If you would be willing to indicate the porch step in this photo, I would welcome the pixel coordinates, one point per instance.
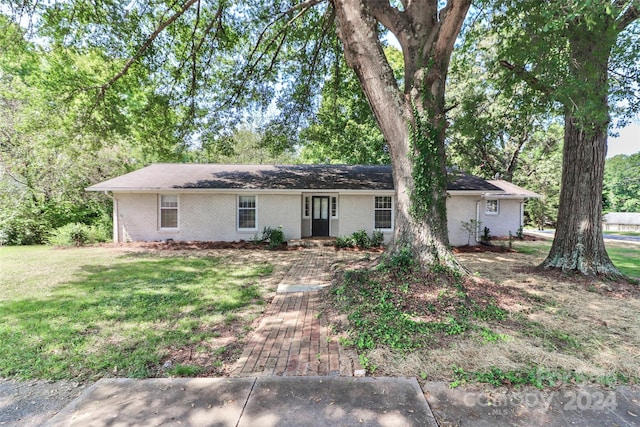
(310, 242)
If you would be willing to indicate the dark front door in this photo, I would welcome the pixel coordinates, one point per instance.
(320, 216)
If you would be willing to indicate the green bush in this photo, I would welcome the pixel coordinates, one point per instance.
(361, 239)
(77, 234)
(23, 231)
(275, 237)
(344, 242)
(377, 238)
(486, 234)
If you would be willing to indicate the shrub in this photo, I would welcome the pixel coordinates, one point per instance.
(470, 227)
(23, 230)
(377, 238)
(344, 242)
(77, 234)
(275, 237)
(361, 239)
(486, 234)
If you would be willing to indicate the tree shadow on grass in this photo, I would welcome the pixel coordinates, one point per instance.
(119, 319)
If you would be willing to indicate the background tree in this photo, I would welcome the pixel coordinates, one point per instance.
(344, 130)
(244, 146)
(55, 140)
(622, 183)
(582, 55)
(492, 123)
(502, 128)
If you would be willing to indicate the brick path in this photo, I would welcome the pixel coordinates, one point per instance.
(290, 339)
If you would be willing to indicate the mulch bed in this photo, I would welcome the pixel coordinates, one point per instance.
(202, 245)
(481, 248)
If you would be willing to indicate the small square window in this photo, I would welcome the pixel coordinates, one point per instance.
(492, 207)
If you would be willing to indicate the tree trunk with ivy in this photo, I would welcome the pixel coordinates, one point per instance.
(413, 119)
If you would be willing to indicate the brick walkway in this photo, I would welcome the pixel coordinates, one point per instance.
(290, 339)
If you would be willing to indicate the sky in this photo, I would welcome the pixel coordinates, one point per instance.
(628, 142)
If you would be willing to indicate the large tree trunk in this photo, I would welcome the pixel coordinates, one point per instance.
(412, 122)
(578, 245)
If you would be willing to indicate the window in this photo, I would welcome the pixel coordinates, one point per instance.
(492, 207)
(334, 207)
(168, 211)
(247, 212)
(307, 207)
(383, 213)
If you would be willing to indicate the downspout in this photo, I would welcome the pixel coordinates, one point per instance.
(477, 237)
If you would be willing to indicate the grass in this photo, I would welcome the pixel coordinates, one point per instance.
(86, 313)
(623, 233)
(511, 325)
(625, 256)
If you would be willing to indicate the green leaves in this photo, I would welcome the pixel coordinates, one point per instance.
(622, 184)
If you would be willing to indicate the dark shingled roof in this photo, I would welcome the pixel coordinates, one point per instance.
(162, 176)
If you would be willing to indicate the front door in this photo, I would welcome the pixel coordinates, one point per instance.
(320, 216)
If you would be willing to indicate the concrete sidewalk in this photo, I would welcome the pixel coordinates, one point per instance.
(264, 402)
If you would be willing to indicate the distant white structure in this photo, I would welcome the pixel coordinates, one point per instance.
(621, 221)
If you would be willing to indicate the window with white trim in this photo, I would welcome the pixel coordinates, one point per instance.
(383, 213)
(246, 212)
(168, 211)
(334, 207)
(492, 207)
(306, 213)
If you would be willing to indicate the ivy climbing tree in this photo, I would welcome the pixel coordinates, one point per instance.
(412, 120)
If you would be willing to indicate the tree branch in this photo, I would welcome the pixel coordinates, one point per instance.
(529, 78)
(631, 14)
(145, 46)
(451, 20)
(390, 17)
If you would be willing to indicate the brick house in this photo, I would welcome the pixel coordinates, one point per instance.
(214, 202)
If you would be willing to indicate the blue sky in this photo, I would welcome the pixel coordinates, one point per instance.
(628, 142)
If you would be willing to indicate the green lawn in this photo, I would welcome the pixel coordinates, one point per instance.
(84, 313)
(625, 256)
(623, 233)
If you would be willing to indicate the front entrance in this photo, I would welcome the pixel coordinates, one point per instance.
(320, 216)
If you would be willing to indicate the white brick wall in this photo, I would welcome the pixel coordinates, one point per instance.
(277, 209)
(206, 217)
(137, 216)
(460, 209)
(508, 218)
(212, 217)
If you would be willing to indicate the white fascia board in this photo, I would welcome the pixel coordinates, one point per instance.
(238, 191)
(504, 196)
(466, 193)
